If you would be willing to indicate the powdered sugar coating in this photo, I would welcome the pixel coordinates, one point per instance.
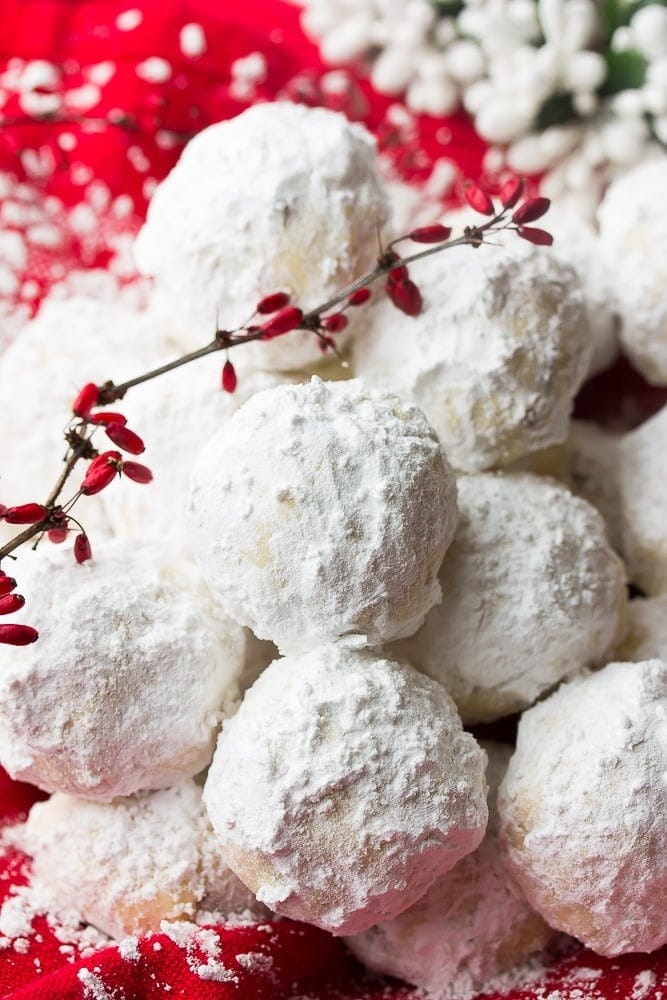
(532, 594)
(306, 222)
(494, 359)
(633, 227)
(584, 808)
(126, 865)
(71, 342)
(343, 787)
(471, 925)
(176, 415)
(134, 668)
(626, 479)
(321, 510)
(646, 638)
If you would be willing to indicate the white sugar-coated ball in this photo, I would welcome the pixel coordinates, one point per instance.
(344, 787)
(280, 197)
(633, 229)
(321, 510)
(71, 342)
(125, 866)
(176, 415)
(133, 670)
(626, 479)
(494, 359)
(584, 808)
(472, 924)
(532, 593)
(646, 637)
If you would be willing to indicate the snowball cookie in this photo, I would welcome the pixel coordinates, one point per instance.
(626, 478)
(584, 808)
(280, 197)
(321, 510)
(532, 593)
(344, 787)
(133, 670)
(176, 414)
(633, 228)
(71, 342)
(495, 358)
(646, 638)
(471, 925)
(126, 865)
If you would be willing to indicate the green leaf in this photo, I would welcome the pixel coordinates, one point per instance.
(625, 71)
(448, 8)
(557, 110)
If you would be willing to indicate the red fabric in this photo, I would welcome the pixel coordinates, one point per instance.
(78, 36)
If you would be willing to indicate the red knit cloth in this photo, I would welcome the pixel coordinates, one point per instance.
(48, 171)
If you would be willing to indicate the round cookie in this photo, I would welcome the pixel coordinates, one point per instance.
(312, 203)
(472, 924)
(583, 808)
(343, 787)
(494, 359)
(134, 668)
(322, 510)
(532, 593)
(126, 865)
(633, 229)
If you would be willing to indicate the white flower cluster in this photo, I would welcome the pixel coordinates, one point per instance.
(532, 73)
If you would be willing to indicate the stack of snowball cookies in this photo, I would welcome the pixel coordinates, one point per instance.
(257, 696)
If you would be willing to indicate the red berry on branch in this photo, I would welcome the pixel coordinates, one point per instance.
(106, 417)
(106, 458)
(406, 296)
(272, 303)
(27, 513)
(87, 398)
(11, 603)
(335, 323)
(399, 273)
(137, 473)
(531, 210)
(431, 234)
(57, 535)
(98, 477)
(359, 297)
(82, 549)
(511, 191)
(540, 237)
(18, 635)
(478, 199)
(125, 439)
(7, 584)
(283, 322)
(229, 379)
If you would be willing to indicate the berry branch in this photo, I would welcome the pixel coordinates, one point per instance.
(274, 316)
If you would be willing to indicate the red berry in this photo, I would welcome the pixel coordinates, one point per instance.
(335, 323)
(431, 234)
(229, 379)
(137, 473)
(511, 191)
(531, 210)
(359, 297)
(107, 417)
(57, 535)
(540, 237)
(98, 478)
(478, 199)
(11, 603)
(7, 584)
(82, 549)
(27, 513)
(18, 635)
(105, 458)
(284, 321)
(87, 398)
(406, 296)
(125, 439)
(272, 303)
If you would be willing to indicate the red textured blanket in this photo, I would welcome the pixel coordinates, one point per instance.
(72, 186)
